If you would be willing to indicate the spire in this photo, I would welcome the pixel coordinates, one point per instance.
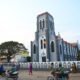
(59, 36)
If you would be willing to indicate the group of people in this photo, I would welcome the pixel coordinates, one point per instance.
(61, 71)
(14, 68)
(3, 71)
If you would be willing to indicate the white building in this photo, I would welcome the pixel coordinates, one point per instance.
(49, 47)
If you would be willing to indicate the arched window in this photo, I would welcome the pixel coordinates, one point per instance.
(51, 26)
(34, 49)
(41, 44)
(52, 46)
(60, 50)
(40, 24)
(44, 43)
(43, 23)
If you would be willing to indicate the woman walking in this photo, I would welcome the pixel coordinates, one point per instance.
(30, 69)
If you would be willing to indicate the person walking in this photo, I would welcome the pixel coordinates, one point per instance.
(2, 70)
(30, 69)
(53, 70)
(73, 68)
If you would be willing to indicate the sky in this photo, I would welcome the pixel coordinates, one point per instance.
(18, 19)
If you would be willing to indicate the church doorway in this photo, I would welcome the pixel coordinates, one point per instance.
(44, 59)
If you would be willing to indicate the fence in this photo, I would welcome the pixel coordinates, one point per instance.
(44, 65)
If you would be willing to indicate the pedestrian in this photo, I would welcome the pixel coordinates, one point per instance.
(18, 67)
(74, 68)
(2, 70)
(53, 70)
(30, 69)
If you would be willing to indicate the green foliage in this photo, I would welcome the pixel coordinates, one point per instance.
(28, 59)
(11, 47)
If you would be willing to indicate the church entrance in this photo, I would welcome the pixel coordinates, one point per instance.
(44, 59)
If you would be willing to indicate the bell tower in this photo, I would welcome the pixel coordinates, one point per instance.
(46, 34)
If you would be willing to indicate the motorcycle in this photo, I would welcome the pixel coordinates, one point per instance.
(12, 75)
(2, 73)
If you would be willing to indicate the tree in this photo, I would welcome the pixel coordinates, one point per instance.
(10, 48)
(28, 59)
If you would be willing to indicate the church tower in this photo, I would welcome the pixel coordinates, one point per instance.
(45, 39)
(49, 47)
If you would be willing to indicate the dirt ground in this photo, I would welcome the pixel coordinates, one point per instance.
(37, 75)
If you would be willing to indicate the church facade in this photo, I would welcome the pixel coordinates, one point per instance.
(48, 46)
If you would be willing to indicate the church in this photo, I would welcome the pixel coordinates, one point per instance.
(48, 46)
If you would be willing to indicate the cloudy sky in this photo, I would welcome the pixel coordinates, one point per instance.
(18, 19)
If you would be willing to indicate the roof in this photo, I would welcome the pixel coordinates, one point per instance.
(44, 14)
(72, 44)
